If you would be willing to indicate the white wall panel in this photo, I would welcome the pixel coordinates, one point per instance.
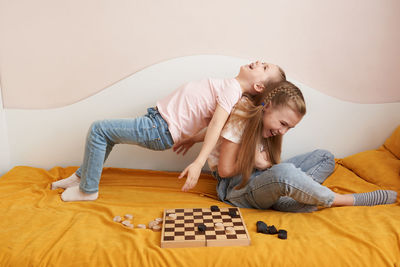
(4, 144)
(56, 137)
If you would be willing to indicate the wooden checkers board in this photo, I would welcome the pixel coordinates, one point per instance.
(183, 231)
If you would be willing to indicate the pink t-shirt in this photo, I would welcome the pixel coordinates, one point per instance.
(190, 108)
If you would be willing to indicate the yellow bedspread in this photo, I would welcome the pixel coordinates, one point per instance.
(38, 229)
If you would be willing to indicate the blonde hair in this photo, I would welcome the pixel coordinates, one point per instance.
(282, 78)
(282, 73)
(282, 94)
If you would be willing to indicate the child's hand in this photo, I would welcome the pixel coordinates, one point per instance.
(193, 173)
(183, 145)
(261, 160)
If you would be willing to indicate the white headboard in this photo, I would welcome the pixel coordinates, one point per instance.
(56, 137)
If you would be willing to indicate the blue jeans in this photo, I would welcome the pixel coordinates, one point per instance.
(293, 185)
(149, 131)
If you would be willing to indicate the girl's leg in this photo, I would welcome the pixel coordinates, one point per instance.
(288, 204)
(149, 131)
(75, 178)
(284, 179)
(378, 197)
(72, 180)
(343, 200)
(318, 164)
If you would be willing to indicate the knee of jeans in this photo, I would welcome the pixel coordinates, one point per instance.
(278, 175)
(95, 127)
(324, 154)
(282, 169)
(328, 156)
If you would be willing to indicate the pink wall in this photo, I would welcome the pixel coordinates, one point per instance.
(54, 53)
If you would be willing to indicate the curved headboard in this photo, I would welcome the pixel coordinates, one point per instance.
(56, 137)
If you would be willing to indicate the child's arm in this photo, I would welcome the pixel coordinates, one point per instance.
(261, 160)
(210, 140)
(185, 144)
(227, 164)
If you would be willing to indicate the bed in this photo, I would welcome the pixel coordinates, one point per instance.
(38, 229)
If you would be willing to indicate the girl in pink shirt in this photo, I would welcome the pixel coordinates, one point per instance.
(185, 112)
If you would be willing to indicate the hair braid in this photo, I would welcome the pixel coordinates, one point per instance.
(291, 92)
(283, 94)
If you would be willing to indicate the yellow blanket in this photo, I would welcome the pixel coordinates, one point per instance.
(38, 229)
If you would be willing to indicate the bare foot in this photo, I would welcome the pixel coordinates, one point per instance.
(75, 194)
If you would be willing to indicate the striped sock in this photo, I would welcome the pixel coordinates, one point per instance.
(378, 197)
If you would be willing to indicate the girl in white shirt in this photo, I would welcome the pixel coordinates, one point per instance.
(246, 160)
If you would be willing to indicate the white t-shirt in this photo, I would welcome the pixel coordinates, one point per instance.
(190, 108)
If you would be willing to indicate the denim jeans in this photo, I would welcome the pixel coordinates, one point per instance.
(293, 185)
(149, 131)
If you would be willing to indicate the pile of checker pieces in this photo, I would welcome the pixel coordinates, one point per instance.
(262, 227)
(197, 228)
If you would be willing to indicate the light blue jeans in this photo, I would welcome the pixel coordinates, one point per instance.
(149, 131)
(294, 185)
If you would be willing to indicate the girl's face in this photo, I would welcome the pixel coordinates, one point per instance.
(278, 120)
(260, 73)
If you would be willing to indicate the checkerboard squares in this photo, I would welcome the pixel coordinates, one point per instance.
(183, 231)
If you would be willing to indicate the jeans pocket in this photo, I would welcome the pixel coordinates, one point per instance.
(154, 144)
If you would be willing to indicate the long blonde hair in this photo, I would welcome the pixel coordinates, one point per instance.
(282, 94)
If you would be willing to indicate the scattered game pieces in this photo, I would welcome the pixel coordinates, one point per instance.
(127, 223)
(282, 234)
(214, 208)
(117, 219)
(152, 223)
(184, 230)
(262, 227)
(128, 216)
(230, 230)
(141, 226)
(156, 228)
(219, 226)
(270, 230)
(232, 213)
(155, 225)
(171, 216)
(202, 227)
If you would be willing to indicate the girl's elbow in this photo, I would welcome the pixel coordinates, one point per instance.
(225, 171)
